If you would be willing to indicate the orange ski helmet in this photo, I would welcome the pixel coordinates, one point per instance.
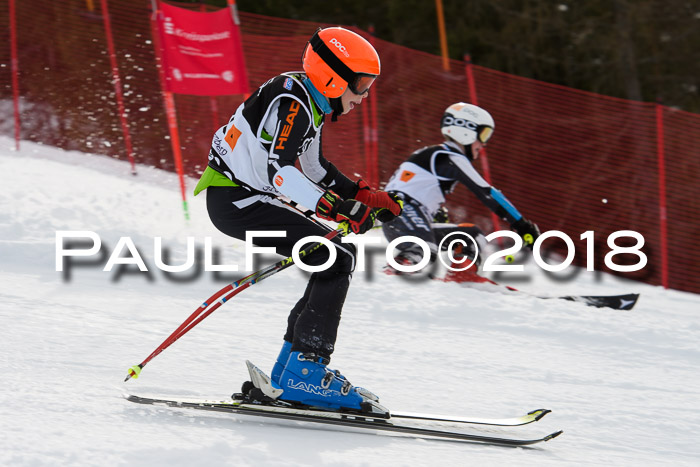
(336, 58)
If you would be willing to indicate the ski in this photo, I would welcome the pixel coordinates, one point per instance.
(248, 397)
(346, 419)
(530, 417)
(616, 302)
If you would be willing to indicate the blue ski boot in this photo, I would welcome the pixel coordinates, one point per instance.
(281, 362)
(306, 380)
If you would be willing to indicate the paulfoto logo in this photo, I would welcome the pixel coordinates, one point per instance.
(491, 263)
(86, 248)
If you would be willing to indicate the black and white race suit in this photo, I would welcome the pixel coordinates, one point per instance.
(423, 180)
(250, 177)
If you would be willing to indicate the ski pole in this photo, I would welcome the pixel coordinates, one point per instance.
(228, 292)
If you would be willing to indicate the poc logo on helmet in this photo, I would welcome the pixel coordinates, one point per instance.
(340, 47)
(449, 120)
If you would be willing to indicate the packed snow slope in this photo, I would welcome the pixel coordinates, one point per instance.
(623, 385)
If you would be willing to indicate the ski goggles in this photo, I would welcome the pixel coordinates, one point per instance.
(483, 132)
(361, 83)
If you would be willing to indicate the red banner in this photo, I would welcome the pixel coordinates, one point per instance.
(202, 52)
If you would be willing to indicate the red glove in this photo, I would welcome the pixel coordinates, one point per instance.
(377, 199)
(332, 207)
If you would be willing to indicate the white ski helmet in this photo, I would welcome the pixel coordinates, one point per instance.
(465, 123)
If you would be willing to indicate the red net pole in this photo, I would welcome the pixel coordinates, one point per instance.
(366, 132)
(212, 100)
(117, 85)
(660, 153)
(169, 102)
(373, 163)
(373, 166)
(214, 113)
(484, 158)
(237, 21)
(15, 70)
(175, 142)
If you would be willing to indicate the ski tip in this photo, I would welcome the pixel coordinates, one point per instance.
(539, 413)
(627, 302)
(616, 302)
(553, 435)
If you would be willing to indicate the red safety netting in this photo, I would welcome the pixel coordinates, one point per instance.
(570, 160)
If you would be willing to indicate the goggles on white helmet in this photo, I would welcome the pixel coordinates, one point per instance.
(467, 123)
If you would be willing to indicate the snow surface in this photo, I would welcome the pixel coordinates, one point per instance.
(622, 385)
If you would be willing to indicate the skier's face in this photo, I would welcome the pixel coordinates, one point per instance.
(477, 147)
(350, 99)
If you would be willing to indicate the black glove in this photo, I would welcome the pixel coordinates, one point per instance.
(333, 207)
(441, 216)
(527, 230)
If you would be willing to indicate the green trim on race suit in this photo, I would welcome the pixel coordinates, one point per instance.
(317, 115)
(253, 162)
(210, 177)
